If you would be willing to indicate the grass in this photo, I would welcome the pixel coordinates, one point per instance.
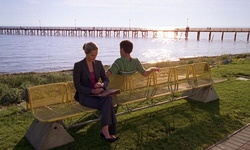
(178, 125)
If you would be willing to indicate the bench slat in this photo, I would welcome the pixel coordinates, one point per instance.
(55, 112)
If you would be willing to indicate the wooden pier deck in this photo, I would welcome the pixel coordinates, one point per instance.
(239, 140)
(117, 31)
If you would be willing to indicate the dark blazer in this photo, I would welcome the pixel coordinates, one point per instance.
(82, 80)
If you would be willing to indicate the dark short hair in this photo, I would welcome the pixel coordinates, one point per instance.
(127, 46)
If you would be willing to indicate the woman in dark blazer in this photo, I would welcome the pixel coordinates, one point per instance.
(86, 76)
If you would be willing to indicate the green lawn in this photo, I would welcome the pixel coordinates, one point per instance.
(178, 125)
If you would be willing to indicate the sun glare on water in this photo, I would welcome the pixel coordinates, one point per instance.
(163, 51)
(164, 32)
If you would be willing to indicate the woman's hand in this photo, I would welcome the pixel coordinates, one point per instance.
(99, 85)
(97, 90)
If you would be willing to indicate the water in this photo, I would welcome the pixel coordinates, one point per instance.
(20, 53)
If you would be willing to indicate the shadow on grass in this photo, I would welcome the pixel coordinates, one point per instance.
(188, 125)
(23, 144)
(192, 125)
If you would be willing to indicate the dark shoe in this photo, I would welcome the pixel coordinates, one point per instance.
(115, 108)
(115, 105)
(110, 140)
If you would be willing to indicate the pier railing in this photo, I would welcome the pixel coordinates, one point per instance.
(124, 32)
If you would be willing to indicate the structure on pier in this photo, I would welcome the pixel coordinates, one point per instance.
(115, 31)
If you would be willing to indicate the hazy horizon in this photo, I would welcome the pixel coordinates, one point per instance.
(129, 13)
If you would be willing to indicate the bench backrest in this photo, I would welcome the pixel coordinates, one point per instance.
(131, 82)
(70, 91)
(202, 70)
(166, 75)
(47, 94)
(191, 71)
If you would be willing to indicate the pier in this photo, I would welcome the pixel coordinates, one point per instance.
(125, 32)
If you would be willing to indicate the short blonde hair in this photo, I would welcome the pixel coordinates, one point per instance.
(88, 47)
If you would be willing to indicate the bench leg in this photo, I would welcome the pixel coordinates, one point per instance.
(47, 135)
(202, 94)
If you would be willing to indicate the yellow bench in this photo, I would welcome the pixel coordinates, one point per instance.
(53, 104)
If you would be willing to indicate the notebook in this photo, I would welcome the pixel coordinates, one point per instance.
(108, 92)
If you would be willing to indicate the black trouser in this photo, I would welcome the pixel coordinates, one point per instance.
(105, 105)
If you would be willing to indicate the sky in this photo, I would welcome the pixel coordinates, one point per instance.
(125, 13)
